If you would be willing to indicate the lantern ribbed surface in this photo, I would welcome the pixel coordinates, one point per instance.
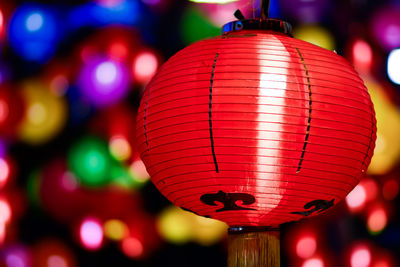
(256, 128)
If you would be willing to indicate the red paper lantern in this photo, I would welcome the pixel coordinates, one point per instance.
(256, 128)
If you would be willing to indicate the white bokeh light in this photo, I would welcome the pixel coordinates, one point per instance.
(106, 73)
(393, 66)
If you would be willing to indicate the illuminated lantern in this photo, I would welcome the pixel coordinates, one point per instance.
(256, 128)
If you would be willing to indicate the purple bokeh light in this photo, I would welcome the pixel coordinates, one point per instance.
(103, 81)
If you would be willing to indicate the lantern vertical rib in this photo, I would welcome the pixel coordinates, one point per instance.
(309, 111)
(210, 114)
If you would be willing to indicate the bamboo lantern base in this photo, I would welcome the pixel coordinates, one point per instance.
(253, 247)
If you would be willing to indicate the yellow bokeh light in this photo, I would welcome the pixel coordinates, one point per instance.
(45, 114)
(316, 35)
(178, 226)
(388, 124)
(174, 225)
(115, 230)
(120, 148)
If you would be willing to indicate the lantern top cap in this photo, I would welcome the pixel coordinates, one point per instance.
(268, 24)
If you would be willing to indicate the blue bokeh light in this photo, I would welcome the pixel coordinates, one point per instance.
(34, 32)
(34, 22)
(94, 15)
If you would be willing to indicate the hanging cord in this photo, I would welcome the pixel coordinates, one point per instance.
(264, 12)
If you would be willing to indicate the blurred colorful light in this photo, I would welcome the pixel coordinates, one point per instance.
(91, 234)
(362, 55)
(90, 161)
(34, 22)
(370, 187)
(118, 51)
(316, 35)
(356, 199)
(145, 66)
(33, 32)
(4, 172)
(386, 26)
(120, 148)
(56, 261)
(387, 149)
(17, 256)
(377, 220)
(138, 171)
(306, 247)
(59, 85)
(45, 116)
(115, 229)
(132, 247)
(360, 257)
(314, 262)
(5, 211)
(104, 82)
(174, 226)
(390, 189)
(393, 66)
(1, 22)
(213, 1)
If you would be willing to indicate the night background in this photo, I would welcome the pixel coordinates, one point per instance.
(73, 190)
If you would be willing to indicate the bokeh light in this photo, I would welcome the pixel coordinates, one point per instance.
(91, 234)
(90, 160)
(5, 211)
(196, 26)
(1, 22)
(306, 247)
(132, 247)
(377, 220)
(390, 189)
(314, 262)
(360, 257)
(386, 26)
(115, 229)
(316, 35)
(393, 66)
(33, 32)
(357, 197)
(387, 149)
(46, 114)
(104, 81)
(4, 172)
(362, 55)
(145, 66)
(138, 171)
(120, 148)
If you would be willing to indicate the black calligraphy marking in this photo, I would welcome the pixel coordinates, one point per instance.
(228, 200)
(210, 114)
(309, 111)
(319, 206)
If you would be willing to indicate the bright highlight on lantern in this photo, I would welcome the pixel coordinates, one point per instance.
(132, 247)
(377, 221)
(34, 22)
(393, 66)
(306, 247)
(145, 66)
(360, 257)
(91, 234)
(106, 73)
(313, 263)
(356, 199)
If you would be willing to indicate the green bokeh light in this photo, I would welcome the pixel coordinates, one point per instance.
(196, 26)
(90, 160)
